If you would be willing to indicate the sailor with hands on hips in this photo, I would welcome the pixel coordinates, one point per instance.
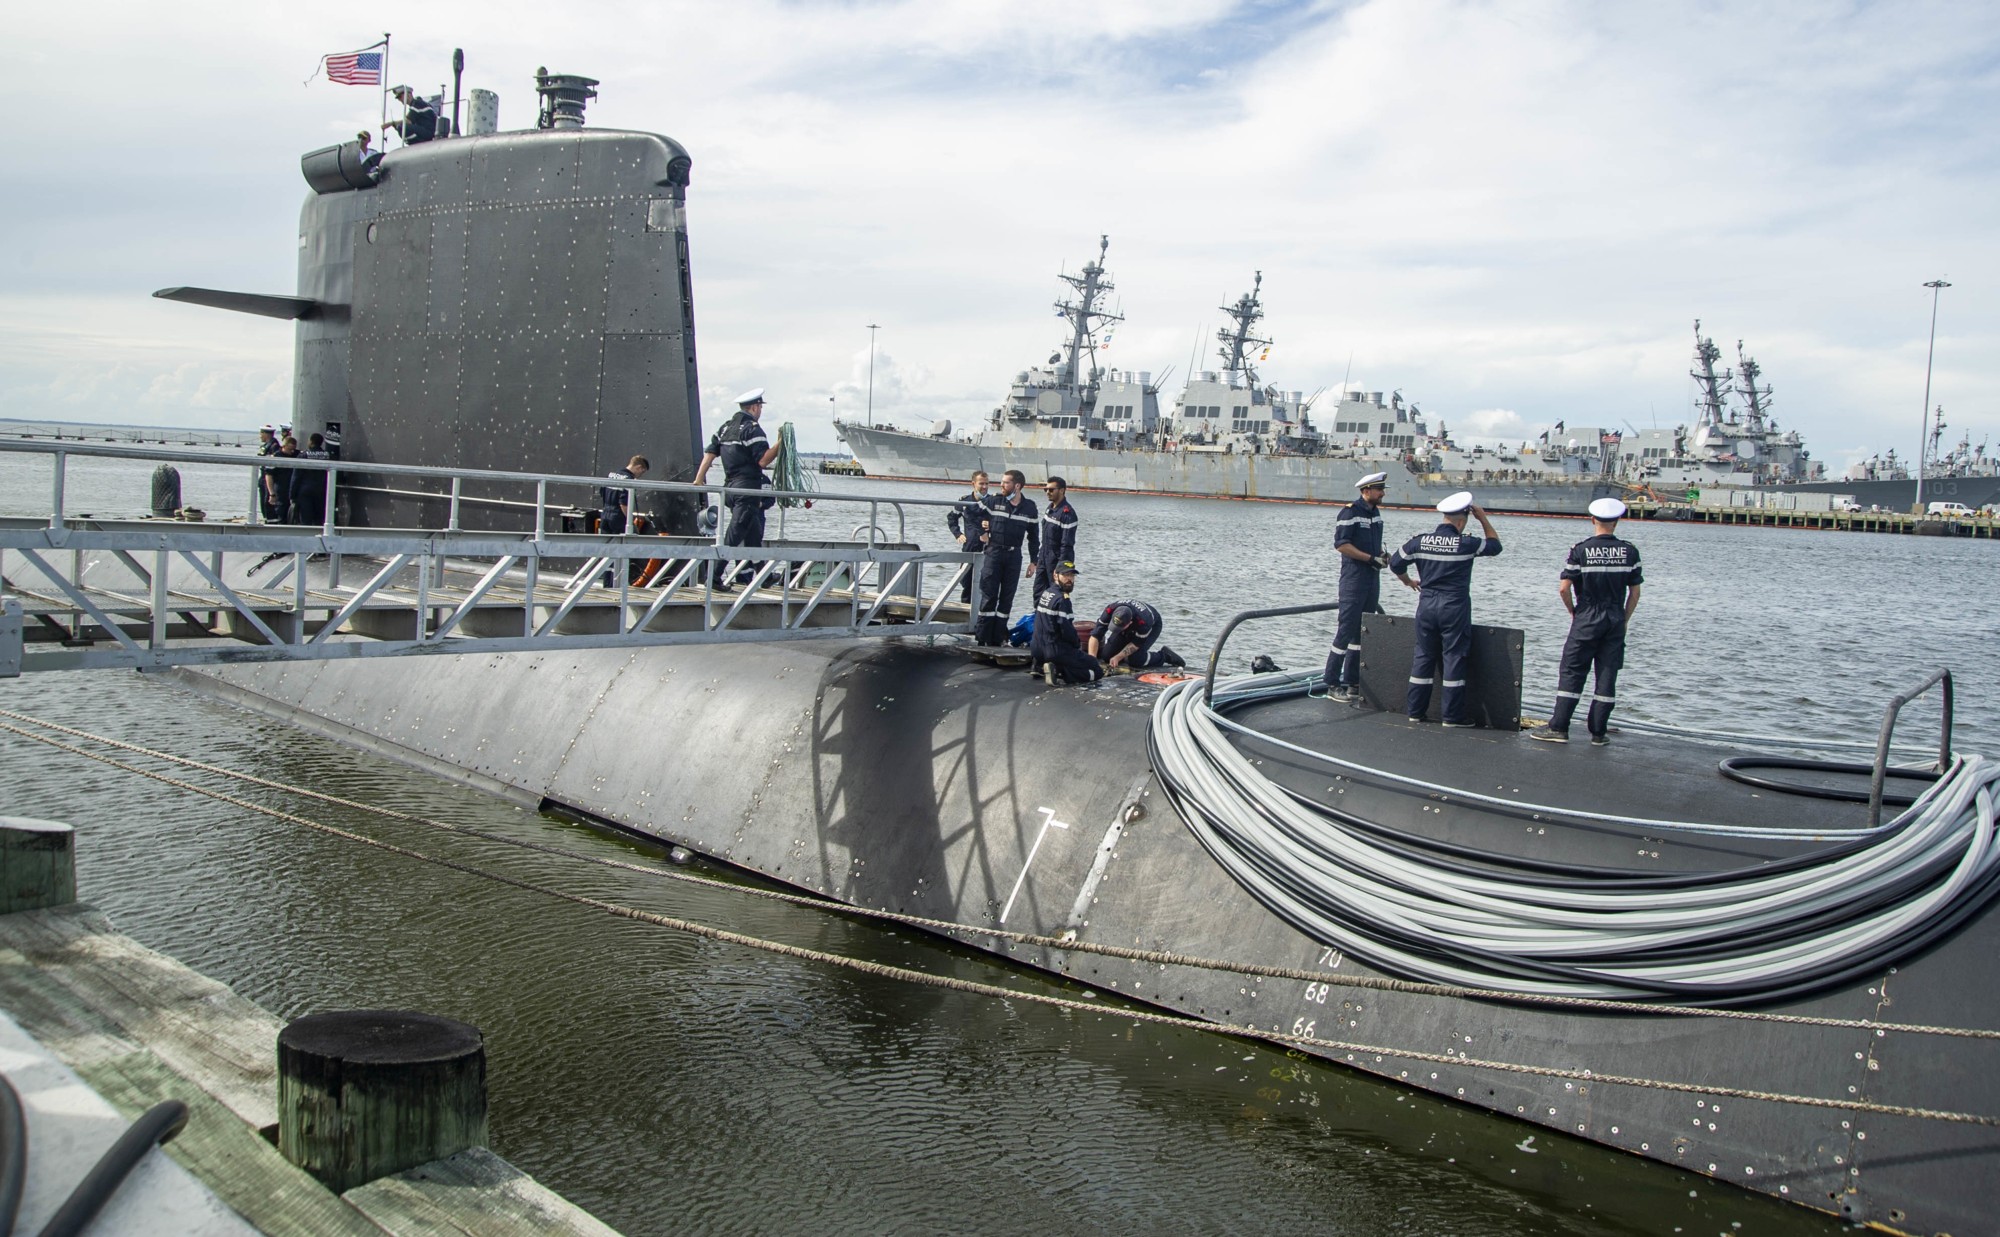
(1357, 538)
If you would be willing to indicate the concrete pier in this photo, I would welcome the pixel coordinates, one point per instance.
(1987, 527)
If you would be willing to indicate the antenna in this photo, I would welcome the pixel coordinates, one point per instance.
(1194, 353)
(1349, 373)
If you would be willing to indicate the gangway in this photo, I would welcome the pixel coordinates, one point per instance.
(80, 591)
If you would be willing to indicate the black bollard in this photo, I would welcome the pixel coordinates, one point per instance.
(166, 491)
(366, 1093)
(37, 864)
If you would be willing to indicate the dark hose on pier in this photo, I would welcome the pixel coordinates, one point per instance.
(13, 1156)
(156, 1125)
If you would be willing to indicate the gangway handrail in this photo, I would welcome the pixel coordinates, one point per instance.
(1889, 713)
(1215, 654)
(61, 450)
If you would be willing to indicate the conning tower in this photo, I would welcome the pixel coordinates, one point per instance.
(511, 301)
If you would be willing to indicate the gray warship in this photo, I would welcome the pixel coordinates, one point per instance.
(535, 286)
(1231, 434)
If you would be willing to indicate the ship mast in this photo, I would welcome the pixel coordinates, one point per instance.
(1756, 397)
(1237, 341)
(1083, 315)
(1709, 400)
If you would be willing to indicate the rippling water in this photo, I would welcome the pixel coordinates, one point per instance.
(673, 1084)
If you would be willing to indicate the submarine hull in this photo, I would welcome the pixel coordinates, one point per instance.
(895, 776)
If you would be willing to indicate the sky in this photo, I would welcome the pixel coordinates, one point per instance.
(1512, 212)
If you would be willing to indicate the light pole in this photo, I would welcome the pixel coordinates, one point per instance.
(873, 327)
(1937, 286)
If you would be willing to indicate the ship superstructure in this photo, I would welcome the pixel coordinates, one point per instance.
(1231, 433)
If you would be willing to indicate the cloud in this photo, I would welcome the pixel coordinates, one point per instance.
(1516, 205)
(1492, 426)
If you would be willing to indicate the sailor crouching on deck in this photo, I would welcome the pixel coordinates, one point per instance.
(1600, 589)
(1010, 520)
(1125, 635)
(1444, 604)
(1357, 538)
(1056, 645)
(745, 451)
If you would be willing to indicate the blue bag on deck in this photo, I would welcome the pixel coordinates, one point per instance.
(1023, 630)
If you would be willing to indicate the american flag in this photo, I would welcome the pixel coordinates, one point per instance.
(355, 68)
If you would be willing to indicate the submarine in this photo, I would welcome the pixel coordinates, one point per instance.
(1756, 969)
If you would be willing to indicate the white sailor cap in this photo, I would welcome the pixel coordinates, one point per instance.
(755, 395)
(1607, 509)
(1373, 478)
(269, 429)
(1456, 503)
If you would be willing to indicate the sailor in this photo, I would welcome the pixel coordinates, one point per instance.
(419, 122)
(616, 516)
(745, 451)
(267, 498)
(1444, 604)
(967, 522)
(278, 481)
(1600, 589)
(1357, 538)
(1010, 519)
(1056, 646)
(1125, 635)
(309, 484)
(1058, 532)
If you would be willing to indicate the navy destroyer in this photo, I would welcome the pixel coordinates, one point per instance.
(1787, 995)
(1232, 434)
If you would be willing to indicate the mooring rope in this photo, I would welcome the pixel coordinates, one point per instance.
(1163, 958)
(950, 983)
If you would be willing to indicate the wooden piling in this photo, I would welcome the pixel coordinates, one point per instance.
(37, 864)
(366, 1093)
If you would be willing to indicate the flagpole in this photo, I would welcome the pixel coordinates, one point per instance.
(385, 90)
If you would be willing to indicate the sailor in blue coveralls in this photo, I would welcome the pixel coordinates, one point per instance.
(967, 522)
(1010, 520)
(745, 451)
(1444, 604)
(1600, 589)
(1125, 635)
(1056, 646)
(1058, 533)
(1357, 538)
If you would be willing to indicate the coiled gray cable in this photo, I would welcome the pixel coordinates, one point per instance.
(1740, 937)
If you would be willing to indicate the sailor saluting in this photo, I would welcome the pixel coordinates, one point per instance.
(1444, 604)
(1600, 589)
(1357, 538)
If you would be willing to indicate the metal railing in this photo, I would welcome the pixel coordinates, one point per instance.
(1882, 741)
(153, 593)
(1215, 654)
(454, 479)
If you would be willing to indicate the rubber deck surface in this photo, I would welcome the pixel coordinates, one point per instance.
(1636, 775)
